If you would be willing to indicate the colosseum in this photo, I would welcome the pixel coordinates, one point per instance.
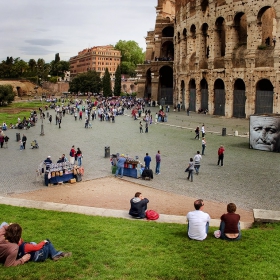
(226, 56)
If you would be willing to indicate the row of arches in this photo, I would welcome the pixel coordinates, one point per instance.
(263, 100)
(214, 43)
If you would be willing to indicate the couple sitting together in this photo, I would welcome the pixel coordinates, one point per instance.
(14, 251)
(198, 223)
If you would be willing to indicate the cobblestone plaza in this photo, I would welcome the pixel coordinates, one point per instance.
(249, 178)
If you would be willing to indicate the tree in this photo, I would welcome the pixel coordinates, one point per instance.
(106, 84)
(6, 94)
(86, 82)
(32, 64)
(132, 55)
(118, 81)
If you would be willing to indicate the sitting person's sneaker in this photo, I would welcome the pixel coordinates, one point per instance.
(62, 255)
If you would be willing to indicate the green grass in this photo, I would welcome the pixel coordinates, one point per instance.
(111, 248)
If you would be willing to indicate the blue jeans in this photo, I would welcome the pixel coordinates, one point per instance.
(118, 171)
(196, 167)
(79, 161)
(223, 236)
(48, 251)
(190, 175)
(203, 149)
(157, 167)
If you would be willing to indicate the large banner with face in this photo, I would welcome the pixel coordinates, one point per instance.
(265, 133)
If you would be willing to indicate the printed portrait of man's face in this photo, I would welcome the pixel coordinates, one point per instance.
(265, 133)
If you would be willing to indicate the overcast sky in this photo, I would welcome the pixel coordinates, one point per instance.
(40, 29)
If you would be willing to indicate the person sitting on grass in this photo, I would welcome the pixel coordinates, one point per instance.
(138, 206)
(41, 251)
(230, 224)
(9, 238)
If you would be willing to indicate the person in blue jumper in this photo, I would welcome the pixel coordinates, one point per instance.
(120, 165)
(147, 160)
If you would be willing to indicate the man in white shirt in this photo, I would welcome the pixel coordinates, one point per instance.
(198, 222)
(203, 130)
(197, 159)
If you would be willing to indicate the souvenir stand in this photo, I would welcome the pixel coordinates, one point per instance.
(63, 172)
(132, 167)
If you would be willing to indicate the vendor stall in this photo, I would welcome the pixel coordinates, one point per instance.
(63, 172)
(132, 167)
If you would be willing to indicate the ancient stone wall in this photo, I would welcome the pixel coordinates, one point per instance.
(226, 56)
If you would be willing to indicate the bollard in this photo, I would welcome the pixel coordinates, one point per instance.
(224, 131)
(107, 152)
(17, 137)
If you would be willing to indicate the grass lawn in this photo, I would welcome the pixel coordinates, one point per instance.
(111, 248)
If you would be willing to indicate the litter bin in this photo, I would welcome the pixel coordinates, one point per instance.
(107, 152)
(18, 137)
(224, 131)
(48, 114)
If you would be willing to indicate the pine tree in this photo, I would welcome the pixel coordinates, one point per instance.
(106, 82)
(118, 81)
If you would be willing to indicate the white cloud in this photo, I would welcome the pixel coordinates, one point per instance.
(40, 29)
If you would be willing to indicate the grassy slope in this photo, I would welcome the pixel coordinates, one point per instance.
(109, 248)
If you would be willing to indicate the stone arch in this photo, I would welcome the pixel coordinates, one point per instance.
(264, 97)
(220, 37)
(166, 84)
(266, 20)
(185, 34)
(193, 31)
(124, 87)
(204, 94)
(204, 47)
(167, 50)
(219, 97)
(192, 96)
(239, 99)
(132, 88)
(204, 6)
(148, 84)
(240, 26)
(168, 32)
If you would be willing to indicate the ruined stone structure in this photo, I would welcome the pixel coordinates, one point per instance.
(155, 76)
(227, 56)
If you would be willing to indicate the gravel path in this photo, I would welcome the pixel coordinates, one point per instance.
(250, 178)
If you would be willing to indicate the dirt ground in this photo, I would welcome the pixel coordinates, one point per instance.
(115, 193)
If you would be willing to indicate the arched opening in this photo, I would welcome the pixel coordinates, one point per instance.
(204, 95)
(264, 97)
(219, 97)
(168, 32)
(167, 51)
(124, 88)
(166, 84)
(267, 23)
(193, 31)
(220, 37)
(19, 91)
(148, 85)
(183, 93)
(204, 46)
(132, 88)
(192, 97)
(239, 99)
(204, 6)
(240, 26)
(185, 34)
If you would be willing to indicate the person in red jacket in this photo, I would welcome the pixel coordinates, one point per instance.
(221, 152)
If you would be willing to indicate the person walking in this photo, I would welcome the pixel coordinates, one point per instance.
(196, 133)
(191, 169)
(197, 159)
(50, 119)
(203, 130)
(221, 152)
(23, 139)
(2, 139)
(120, 165)
(146, 127)
(158, 161)
(75, 115)
(203, 143)
(141, 127)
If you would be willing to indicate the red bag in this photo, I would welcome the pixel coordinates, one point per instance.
(152, 215)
